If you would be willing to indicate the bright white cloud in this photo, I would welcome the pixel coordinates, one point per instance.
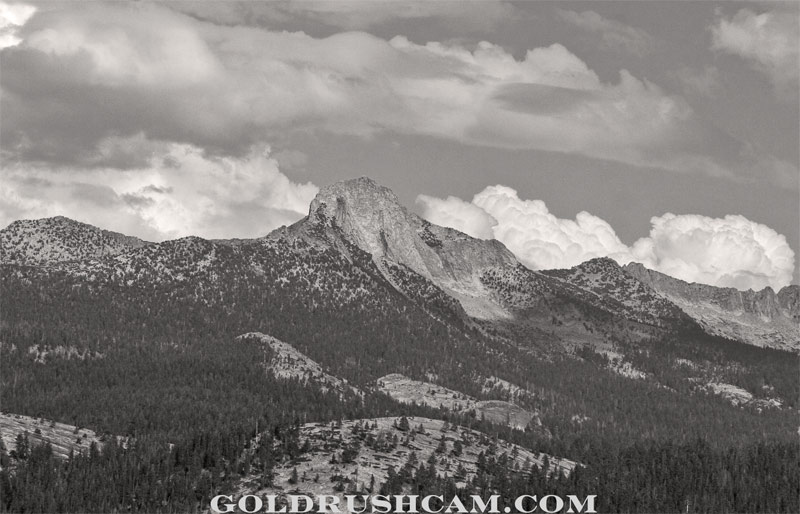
(455, 213)
(149, 47)
(175, 78)
(769, 41)
(182, 191)
(13, 16)
(726, 252)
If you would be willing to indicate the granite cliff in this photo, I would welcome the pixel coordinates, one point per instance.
(762, 318)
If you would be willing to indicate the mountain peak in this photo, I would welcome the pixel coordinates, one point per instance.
(362, 193)
(371, 217)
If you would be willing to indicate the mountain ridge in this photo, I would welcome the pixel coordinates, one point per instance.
(762, 318)
(482, 277)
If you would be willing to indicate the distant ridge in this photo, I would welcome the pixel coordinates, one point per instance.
(60, 239)
(762, 318)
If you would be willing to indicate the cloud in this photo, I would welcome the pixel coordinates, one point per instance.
(539, 239)
(614, 35)
(181, 191)
(455, 213)
(727, 252)
(769, 42)
(13, 16)
(480, 15)
(86, 72)
(705, 82)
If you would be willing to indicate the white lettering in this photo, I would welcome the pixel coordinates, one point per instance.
(351, 503)
(479, 506)
(228, 506)
(294, 502)
(544, 501)
(588, 504)
(256, 501)
(381, 503)
(426, 503)
(520, 505)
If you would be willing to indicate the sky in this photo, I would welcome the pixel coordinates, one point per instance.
(666, 133)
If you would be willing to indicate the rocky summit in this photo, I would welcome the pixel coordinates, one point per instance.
(371, 217)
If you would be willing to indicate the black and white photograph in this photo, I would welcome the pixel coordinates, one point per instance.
(399, 256)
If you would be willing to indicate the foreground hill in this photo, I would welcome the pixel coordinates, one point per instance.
(369, 455)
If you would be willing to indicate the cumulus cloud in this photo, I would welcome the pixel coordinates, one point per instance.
(539, 239)
(769, 41)
(613, 34)
(84, 72)
(727, 252)
(455, 213)
(181, 191)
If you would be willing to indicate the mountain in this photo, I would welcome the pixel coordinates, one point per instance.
(488, 283)
(761, 318)
(603, 282)
(441, 270)
(60, 239)
(371, 217)
(444, 272)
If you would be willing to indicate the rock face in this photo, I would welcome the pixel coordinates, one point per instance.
(762, 318)
(371, 217)
(60, 239)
